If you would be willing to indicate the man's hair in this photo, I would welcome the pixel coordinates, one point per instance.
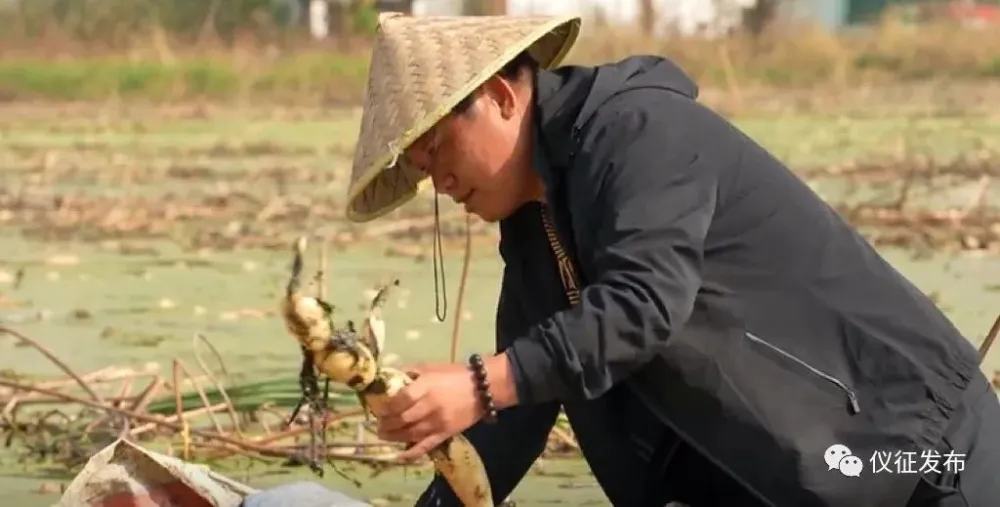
(511, 72)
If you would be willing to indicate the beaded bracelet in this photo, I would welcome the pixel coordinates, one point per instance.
(483, 387)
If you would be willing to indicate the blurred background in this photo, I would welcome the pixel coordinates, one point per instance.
(158, 157)
(308, 50)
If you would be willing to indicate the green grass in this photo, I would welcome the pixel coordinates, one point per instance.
(65, 51)
(318, 76)
(324, 75)
(305, 77)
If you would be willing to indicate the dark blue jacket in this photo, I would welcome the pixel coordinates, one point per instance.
(742, 310)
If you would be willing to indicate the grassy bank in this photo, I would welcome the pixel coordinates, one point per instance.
(158, 69)
(217, 77)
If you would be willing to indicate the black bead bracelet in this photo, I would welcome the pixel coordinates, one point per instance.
(483, 387)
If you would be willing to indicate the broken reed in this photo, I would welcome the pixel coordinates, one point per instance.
(154, 66)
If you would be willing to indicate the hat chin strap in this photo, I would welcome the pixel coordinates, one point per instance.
(440, 291)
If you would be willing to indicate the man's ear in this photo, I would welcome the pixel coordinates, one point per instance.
(501, 92)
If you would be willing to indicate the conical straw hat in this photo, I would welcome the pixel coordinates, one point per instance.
(421, 67)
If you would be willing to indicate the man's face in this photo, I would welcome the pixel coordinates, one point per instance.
(478, 157)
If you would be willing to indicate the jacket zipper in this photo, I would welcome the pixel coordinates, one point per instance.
(852, 397)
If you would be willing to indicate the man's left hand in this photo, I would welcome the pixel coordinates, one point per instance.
(441, 402)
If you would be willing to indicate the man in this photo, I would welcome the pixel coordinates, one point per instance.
(716, 334)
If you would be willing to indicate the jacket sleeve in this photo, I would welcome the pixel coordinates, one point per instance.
(511, 445)
(643, 183)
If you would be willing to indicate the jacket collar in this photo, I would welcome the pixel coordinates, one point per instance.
(558, 99)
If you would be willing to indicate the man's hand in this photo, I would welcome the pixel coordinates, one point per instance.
(441, 402)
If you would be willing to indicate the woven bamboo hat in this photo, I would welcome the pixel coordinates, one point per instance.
(421, 67)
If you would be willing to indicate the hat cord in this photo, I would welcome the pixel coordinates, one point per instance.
(440, 291)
